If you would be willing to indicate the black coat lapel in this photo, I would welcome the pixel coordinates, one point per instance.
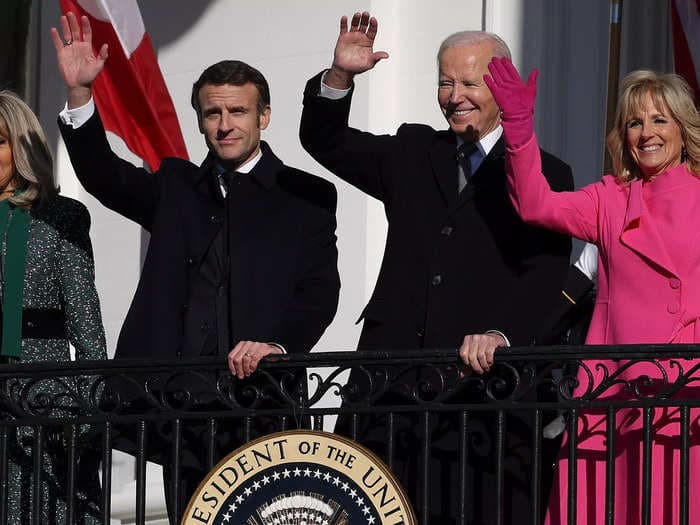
(266, 170)
(491, 171)
(209, 215)
(443, 160)
(255, 202)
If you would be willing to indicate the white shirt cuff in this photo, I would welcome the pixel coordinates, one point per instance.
(330, 92)
(498, 332)
(76, 117)
(277, 345)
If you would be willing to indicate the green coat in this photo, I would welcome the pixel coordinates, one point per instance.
(59, 274)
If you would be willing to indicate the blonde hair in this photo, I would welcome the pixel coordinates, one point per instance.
(669, 93)
(31, 156)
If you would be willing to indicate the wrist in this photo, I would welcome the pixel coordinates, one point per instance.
(518, 131)
(79, 96)
(278, 348)
(338, 78)
(499, 336)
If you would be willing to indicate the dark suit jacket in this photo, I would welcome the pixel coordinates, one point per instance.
(452, 266)
(284, 278)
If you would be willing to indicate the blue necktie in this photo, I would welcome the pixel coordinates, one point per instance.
(464, 168)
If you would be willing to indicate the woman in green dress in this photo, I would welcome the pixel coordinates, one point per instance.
(48, 299)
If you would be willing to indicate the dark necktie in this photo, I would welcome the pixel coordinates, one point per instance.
(230, 179)
(464, 168)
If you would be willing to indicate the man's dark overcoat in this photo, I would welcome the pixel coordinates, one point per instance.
(453, 265)
(284, 278)
(283, 274)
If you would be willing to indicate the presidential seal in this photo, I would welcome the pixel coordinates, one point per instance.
(300, 477)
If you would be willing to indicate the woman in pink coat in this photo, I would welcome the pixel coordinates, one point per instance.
(645, 220)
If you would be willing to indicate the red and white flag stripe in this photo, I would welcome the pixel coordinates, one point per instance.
(685, 16)
(130, 92)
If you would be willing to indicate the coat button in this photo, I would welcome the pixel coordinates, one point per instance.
(221, 291)
(30, 324)
(214, 219)
(436, 280)
(673, 308)
(674, 283)
(447, 231)
(204, 327)
(189, 261)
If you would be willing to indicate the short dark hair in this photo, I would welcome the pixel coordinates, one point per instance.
(232, 72)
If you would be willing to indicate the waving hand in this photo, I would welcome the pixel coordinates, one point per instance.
(77, 61)
(354, 50)
(515, 98)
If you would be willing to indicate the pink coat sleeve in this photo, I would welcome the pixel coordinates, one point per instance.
(571, 212)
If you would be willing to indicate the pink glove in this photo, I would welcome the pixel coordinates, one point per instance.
(515, 98)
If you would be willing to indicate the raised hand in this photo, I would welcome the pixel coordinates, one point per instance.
(354, 50)
(77, 61)
(515, 98)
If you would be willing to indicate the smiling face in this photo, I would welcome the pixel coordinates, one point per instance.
(230, 122)
(654, 139)
(464, 98)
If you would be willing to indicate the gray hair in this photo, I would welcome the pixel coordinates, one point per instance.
(31, 156)
(474, 38)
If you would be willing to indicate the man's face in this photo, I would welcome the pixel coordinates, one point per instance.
(230, 122)
(464, 98)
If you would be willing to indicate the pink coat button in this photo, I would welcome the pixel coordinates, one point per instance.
(673, 308)
(674, 283)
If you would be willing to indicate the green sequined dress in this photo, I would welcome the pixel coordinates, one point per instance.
(59, 275)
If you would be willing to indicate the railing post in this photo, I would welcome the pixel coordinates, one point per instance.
(500, 465)
(684, 467)
(573, 463)
(646, 465)
(425, 470)
(537, 468)
(610, 432)
(141, 444)
(3, 471)
(463, 463)
(37, 455)
(107, 471)
(71, 473)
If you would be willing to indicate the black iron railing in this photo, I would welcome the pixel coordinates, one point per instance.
(151, 408)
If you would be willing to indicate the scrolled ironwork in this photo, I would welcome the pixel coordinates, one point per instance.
(583, 376)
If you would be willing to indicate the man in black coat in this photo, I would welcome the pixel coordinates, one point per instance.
(242, 259)
(459, 267)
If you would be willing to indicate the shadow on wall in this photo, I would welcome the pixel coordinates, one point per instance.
(166, 20)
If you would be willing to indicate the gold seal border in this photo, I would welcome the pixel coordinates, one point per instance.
(288, 447)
